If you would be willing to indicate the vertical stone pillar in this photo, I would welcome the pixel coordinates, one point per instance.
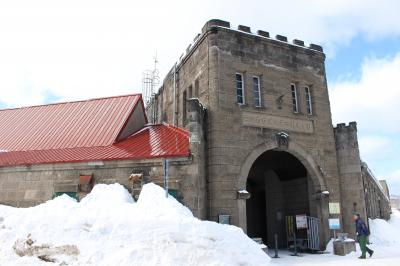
(351, 181)
(195, 191)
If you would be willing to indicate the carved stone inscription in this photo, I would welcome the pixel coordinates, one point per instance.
(275, 122)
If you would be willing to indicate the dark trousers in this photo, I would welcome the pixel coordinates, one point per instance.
(362, 240)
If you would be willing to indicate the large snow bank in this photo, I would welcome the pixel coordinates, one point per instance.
(386, 233)
(108, 228)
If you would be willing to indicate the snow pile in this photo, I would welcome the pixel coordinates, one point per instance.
(386, 233)
(108, 228)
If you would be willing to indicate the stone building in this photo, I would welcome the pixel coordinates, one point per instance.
(69, 147)
(271, 150)
(245, 123)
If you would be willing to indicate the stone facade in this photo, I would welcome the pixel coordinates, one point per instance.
(237, 134)
(377, 199)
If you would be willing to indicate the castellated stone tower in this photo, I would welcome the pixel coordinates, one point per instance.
(349, 165)
(270, 150)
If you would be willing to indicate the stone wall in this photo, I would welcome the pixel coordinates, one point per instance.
(376, 199)
(24, 186)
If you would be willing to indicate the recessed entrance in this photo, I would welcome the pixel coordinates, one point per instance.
(280, 186)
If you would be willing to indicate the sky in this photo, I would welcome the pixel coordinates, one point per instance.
(53, 50)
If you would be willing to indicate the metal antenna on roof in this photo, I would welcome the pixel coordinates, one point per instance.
(150, 82)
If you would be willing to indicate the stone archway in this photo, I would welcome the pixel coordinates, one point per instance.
(309, 164)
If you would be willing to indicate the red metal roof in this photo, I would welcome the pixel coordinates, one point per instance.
(83, 131)
(95, 122)
(153, 141)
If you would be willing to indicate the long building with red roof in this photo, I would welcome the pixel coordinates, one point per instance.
(68, 147)
(113, 128)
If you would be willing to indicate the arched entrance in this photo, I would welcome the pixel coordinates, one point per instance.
(279, 187)
(281, 182)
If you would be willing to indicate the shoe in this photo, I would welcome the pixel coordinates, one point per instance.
(371, 253)
(362, 257)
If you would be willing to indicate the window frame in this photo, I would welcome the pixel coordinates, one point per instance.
(242, 89)
(196, 88)
(295, 98)
(184, 114)
(307, 91)
(190, 92)
(259, 103)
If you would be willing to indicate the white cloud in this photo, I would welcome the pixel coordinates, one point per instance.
(371, 148)
(393, 181)
(79, 49)
(373, 100)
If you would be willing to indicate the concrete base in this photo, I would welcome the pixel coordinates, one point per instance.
(342, 248)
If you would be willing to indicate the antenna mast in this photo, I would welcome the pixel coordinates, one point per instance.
(150, 82)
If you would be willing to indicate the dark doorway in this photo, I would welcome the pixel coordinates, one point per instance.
(279, 186)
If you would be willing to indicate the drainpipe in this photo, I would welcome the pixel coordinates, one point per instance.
(174, 106)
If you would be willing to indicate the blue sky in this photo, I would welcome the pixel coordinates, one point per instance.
(379, 145)
(54, 50)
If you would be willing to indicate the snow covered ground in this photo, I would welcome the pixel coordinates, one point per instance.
(108, 228)
(385, 241)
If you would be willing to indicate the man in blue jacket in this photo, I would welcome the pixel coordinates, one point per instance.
(362, 236)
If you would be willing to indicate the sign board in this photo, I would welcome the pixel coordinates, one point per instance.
(301, 221)
(253, 119)
(334, 208)
(334, 223)
(224, 219)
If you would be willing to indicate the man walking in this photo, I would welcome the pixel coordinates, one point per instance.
(362, 236)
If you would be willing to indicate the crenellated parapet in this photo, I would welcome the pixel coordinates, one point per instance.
(346, 135)
(261, 33)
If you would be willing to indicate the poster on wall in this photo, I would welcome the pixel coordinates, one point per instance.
(334, 223)
(301, 221)
(334, 208)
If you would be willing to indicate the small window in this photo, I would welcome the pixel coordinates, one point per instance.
(184, 108)
(190, 91)
(308, 100)
(239, 89)
(256, 91)
(174, 193)
(196, 88)
(70, 194)
(295, 104)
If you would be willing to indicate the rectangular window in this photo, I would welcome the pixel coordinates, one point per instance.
(196, 88)
(308, 100)
(239, 89)
(184, 99)
(295, 104)
(256, 91)
(190, 92)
